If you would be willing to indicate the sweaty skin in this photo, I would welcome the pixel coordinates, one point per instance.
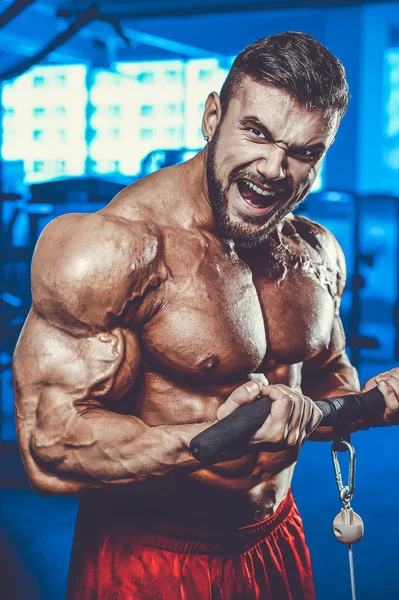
(144, 321)
(142, 324)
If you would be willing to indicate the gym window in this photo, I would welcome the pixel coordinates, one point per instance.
(60, 80)
(147, 110)
(39, 81)
(146, 77)
(114, 111)
(115, 134)
(60, 111)
(173, 109)
(205, 75)
(38, 166)
(146, 134)
(38, 112)
(172, 76)
(59, 166)
(38, 135)
(173, 133)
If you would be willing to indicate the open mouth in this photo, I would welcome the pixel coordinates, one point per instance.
(261, 200)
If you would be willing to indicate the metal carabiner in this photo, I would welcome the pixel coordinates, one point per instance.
(345, 491)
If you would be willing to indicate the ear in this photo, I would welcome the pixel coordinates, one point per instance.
(212, 115)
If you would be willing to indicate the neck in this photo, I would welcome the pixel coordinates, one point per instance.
(197, 191)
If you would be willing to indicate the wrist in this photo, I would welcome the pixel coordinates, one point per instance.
(185, 434)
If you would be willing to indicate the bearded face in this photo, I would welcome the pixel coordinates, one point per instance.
(262, 160)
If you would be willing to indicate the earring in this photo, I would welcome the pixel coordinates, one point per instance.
(206, 138)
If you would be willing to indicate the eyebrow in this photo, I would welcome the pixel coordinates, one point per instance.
(253, 120)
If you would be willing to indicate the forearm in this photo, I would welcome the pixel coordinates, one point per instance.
(102, 448)
(337, 379)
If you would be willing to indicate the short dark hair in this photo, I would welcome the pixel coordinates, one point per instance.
(294, 62)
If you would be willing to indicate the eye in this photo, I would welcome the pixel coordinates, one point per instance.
(257, 133)
(306, 154)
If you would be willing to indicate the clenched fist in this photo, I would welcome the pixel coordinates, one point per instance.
(292, 419)
(388, 384)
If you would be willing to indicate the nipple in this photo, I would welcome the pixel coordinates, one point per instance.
(209, 364)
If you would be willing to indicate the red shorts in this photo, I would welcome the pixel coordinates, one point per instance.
(267, 560)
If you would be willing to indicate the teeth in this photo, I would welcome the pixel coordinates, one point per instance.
(257, 189)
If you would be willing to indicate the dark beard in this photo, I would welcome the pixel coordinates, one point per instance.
(236, 232)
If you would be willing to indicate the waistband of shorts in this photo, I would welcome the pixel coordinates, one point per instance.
(165, 536)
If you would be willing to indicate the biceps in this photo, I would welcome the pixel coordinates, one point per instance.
(56, 374)
(97, 365)
(331, 370)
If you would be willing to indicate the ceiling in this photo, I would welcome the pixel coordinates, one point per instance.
(163, 8)
(68, 31)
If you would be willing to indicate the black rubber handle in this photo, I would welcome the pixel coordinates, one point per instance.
(207, 446)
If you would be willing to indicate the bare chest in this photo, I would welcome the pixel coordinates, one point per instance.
(219, 320)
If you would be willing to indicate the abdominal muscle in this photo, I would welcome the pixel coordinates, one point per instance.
(237, 492)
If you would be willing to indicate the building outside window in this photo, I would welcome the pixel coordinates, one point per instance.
(146, 78)
(205, 75)
(146, 134)
(60, 80)
(114, 165)
(38, 166)
(59, 93)
(38, 112)
(173, 109)
(146, 110)
(38, 135)
(172, 76)
(60, 166)
(60, 111)
(39, 81)
(130, 103)
(114, 111)
(115, 134)
(106, 166)
(173, 133)
(142, 125)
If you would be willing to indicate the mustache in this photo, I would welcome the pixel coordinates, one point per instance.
(282, 187)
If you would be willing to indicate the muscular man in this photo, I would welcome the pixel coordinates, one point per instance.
(149, 319)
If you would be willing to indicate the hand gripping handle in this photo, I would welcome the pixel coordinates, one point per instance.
(207, 446)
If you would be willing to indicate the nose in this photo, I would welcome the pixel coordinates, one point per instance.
(272, 163)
